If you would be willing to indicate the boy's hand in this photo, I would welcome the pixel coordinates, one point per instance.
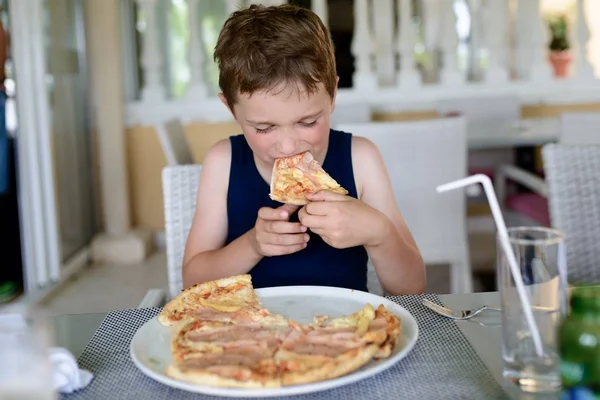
(343, 221)
(274, 235)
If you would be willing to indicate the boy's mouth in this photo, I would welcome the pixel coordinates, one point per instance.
(292, 155)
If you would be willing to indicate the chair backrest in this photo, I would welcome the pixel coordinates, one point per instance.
(488, 110)
(580, 128)
(572, 174)
(180, 188)
(420, 156)
(171, 135)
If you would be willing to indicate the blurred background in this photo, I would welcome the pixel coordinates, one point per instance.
(101, 95)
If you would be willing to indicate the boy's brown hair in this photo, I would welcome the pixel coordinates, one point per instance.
(261, 47)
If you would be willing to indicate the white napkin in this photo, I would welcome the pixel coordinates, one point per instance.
(67, 377)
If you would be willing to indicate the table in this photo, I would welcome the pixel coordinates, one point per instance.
(74, 331)
(528, 132)
(486, 335)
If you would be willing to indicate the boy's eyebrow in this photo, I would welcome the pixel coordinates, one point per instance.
(313, 115)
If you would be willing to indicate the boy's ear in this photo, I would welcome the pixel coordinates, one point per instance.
(224, 101)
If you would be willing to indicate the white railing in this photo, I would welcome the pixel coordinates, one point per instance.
(516, 64)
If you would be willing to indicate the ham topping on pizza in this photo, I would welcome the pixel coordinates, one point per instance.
(245, 359)
(228, 332)
(329, 341)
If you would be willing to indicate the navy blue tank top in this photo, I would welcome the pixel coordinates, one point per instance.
(317, 264)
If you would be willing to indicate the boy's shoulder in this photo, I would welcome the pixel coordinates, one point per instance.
(218, 155)
(221, 153)
(364, 149)
(367, 164)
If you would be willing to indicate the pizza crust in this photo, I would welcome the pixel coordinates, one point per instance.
(205, 378)
(393, 330)
(295, 201)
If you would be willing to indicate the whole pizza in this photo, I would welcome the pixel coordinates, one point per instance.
(223, 336)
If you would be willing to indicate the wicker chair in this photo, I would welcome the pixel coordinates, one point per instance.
(573, 178)
(180, 187)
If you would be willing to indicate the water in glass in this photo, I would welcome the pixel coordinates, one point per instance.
(540, 257)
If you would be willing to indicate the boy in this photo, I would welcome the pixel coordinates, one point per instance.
(278, 78)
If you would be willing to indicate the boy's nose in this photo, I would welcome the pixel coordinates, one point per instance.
(287, 146)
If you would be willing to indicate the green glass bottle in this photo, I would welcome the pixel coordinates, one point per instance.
(579, 346)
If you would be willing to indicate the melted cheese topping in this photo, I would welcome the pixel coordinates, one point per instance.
(325, 180)
(360, 320)
(229, 305)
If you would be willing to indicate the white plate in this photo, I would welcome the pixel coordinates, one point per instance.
(150, 347)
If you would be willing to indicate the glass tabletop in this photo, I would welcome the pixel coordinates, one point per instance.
(74, 331)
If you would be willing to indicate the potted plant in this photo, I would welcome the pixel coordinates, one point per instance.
(560, 47)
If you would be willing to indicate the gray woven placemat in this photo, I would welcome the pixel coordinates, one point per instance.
(441, 365)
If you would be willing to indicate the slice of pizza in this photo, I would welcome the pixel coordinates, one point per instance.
(202, 338)
(228, 354)
(296, 176)
(225, 300)
(304, 363)
(374, 326)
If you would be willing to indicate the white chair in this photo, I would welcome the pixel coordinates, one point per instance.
(180, 188)
(350, 113)
(171, 135)
(420, 156)
(574, 199)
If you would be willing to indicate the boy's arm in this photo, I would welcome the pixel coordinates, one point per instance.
(396, 257)
(206, 258)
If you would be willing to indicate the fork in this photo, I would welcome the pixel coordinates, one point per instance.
(458, 314)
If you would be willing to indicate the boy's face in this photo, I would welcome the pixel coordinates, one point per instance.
(285, 121)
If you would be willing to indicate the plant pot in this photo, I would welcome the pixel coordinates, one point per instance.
(561, 60)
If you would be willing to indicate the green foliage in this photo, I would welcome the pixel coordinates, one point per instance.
(558, 29)
(178, 21)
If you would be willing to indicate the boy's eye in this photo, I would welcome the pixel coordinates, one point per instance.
(309, 124)
(265, 130)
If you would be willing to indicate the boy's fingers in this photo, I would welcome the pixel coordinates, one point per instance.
(326, 195)
(276, 250)
(289, 209)
(285, 227)
(286, 239)
(272, 214)
(277, 214)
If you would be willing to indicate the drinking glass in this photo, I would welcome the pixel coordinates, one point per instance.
(540, 257)
(25, 368)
